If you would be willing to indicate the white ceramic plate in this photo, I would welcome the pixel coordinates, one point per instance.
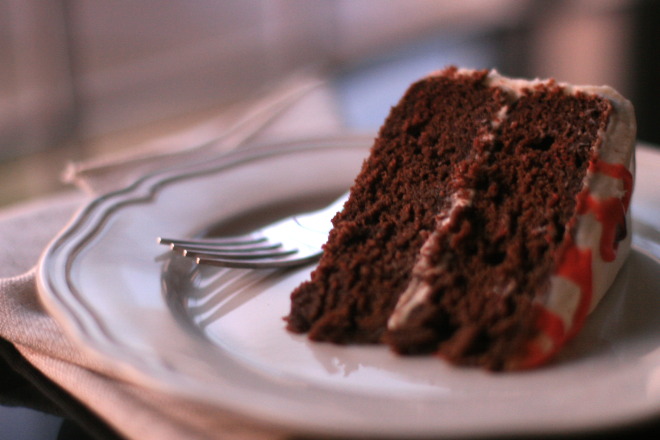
(217, 335)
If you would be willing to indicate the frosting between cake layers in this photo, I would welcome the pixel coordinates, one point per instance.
(418, 291)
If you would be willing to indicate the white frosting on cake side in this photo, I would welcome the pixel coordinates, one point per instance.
(600, 186)
(617, 148)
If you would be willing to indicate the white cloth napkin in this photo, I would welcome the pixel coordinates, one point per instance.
(301, 108)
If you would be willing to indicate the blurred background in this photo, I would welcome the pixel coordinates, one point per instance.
(78, 78)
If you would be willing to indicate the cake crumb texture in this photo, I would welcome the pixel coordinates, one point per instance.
(455, 222)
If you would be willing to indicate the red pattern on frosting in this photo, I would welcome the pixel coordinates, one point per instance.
(617, 171)
(539, 350)
(575, 264)
(610, 212)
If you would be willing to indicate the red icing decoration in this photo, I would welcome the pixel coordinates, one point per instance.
(552, 326)
(616, 171)
(610, 212)
(574, 264)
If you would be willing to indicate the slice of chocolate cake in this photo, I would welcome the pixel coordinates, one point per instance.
(487, 222)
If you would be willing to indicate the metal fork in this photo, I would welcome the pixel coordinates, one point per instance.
(289, 242)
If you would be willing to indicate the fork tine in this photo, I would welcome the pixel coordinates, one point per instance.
(238, 240)
(253, 255)
(266, 263)
(188, 247)
(257, 259)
